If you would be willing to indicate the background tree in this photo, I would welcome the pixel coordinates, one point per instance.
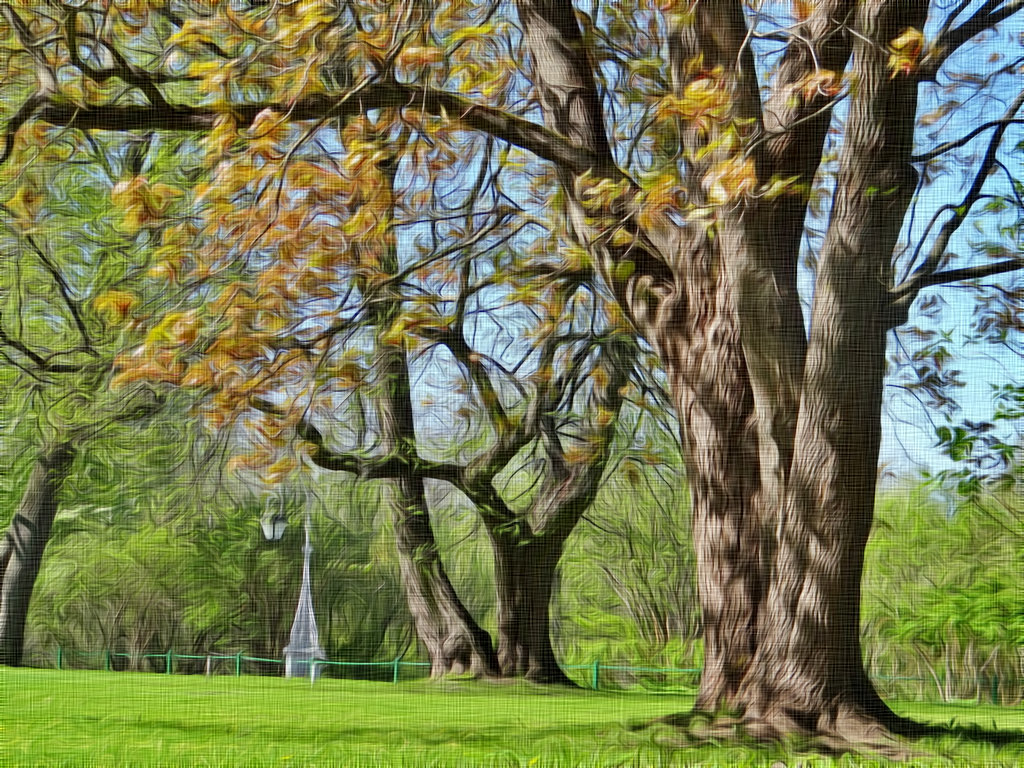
(544, 416)
(195, 575)
(70, 304)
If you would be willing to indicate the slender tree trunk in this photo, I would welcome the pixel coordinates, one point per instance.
(6, 550)
(524, 575)
(28, 534)
(455, 643)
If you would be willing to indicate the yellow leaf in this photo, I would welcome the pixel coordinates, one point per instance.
(176, 329)
(26, 201)
(464, 33)
(621, 237)
(905, 51)
(115, 306)
(823, 82)
(420, 56)
(279, 470)
(730, 180)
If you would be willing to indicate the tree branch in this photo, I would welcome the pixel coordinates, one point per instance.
(122, 68)
(482, 494)
(960, 212)
(41, 363)
(950, 40)
(569, 493)
(65, 292)
(502, 125)
(955, 143)
(906, 292)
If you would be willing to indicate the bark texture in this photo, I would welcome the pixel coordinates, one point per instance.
(808, 671)
(454, 642)
(781, 449)
(524, 575)
(26, 538)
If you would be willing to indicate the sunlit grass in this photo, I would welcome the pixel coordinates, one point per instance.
(94, 719)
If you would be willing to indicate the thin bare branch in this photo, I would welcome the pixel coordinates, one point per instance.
(122, 68)
(62, 286)
(938, 250)
(965, 139)
(950, 40)
(40, 363)
(902, 292)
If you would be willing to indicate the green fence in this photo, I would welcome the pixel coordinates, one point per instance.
(168, 658)
(593, 671)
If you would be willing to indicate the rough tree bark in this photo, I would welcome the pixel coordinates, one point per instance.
(28, 535)
(808, 672)
(454, 642)
(524, 575)
(724, 315)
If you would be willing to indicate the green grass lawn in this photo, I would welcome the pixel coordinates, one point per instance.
(99, 719)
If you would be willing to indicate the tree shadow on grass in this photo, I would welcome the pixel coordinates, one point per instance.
(900, 739)
(995, 736)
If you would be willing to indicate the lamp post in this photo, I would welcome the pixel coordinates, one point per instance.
(303, 649)
(273, 526)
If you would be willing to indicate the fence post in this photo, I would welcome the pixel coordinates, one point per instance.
(595, 679)
(106, 660)
(60, 658)
(995, 688)
(238, 664)
(170, 662)
(394, 676)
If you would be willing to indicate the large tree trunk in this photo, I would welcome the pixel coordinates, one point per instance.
(688, 312)
(716, 420)
(524, 575)
(727, 325)
(28, 535)
(808, 672)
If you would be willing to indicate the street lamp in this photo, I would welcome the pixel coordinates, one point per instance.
(303, 649)
(273, 526)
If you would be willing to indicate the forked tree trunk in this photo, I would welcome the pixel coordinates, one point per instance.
(733, 349)
(28, 535)
(524, 576)
(690, 317)
(809, 672)
(455, 643)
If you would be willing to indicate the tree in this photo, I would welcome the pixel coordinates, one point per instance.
(454, 641)
(693, 209)
(63, 322)
(541, 419)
